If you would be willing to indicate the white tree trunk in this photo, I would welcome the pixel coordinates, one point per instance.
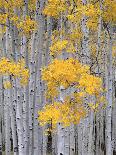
(7, 121)
(114, 115)
(67, 141)
(109, 106)
(72, 140)
(60, 140)
(13, 125)
(90, 141)
(19, 119)
(37, 102)
(1, 115)
(80, 136)
(31, 91)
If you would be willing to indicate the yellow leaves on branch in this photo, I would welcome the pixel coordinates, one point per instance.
(17, 70)
(32, 5)
(91, 84)
(109, 13)
(7, 85)
(3, 18)
(62, 45)
(71, 72)
(11, 4)
(58, 46)
(67, 43)
(55, 7)
(26, 26)
(65, 113)
(114, 51)
(74, 11)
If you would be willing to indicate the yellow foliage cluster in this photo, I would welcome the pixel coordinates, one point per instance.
(64, 45)
(92, 84)
(114, 51)
(75, 35)
(90, 11)
(58, 46)
(11, 4)
(70, 72)
(65, 113)
(109, 13)
(32, 5)
(71, 111)
(75, 10)
(27, 25)
(7, 85)
(3, 18)
(55, 7)
(17, 70)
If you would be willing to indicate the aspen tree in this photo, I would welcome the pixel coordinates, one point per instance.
(109, 107)
(1, 116)
(37, 130)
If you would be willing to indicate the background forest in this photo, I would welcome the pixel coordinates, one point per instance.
(57, 77)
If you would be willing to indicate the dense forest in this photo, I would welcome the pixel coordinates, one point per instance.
(57, 77)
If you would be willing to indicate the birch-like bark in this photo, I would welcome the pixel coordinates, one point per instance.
(85, 136)
(46, 60)
(67, 141)
(1, 115)
(26, 89)
(37, 102)
(97, 70)
(85, 51)
(31, 90)
(13, 97)
(90, 141)
(7, 102)
(19, 119)
(80, 136)
(0, 136)
(13, 124)
(114, 116)
(110, 94)
(60, 140)
(61, 130)
(72, 140)
(7, 120)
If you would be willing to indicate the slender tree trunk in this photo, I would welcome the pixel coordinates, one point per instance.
(13, 98)
(60, 140)
(114, 115)
(19, 119)
(109, 106)
(90, 141)
(7, 102)
(26, 89)
(80, 136)
(1, 115)
(72, 140)
(7, 121)
(37, 102)
(31, 91)
(13, 124)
